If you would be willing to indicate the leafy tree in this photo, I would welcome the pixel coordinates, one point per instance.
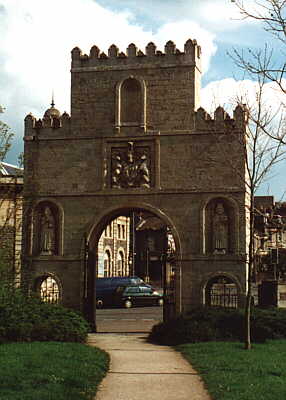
(6, 137)
(10, 209)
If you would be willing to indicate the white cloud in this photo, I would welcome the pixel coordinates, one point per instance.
(179, 32)
(215, 15)
(226, 92)
(37, 37)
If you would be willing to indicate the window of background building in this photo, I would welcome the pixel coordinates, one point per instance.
(108, 231)
(120, 264)
(107, 264)
(119, 231)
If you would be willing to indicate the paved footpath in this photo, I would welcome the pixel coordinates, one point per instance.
(140, 370)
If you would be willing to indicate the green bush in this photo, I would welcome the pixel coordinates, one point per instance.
(218, 324)
(29, 319)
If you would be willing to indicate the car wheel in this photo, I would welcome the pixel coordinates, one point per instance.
(160, 302)
(128, 304)
(99, 303)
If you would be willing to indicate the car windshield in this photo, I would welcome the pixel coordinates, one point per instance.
(146, 289)
(132, 289)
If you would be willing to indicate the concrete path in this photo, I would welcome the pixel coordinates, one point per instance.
(143, 371)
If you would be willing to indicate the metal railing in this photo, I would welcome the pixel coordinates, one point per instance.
(223, 298)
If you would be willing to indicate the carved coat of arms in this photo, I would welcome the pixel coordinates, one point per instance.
(130, 168)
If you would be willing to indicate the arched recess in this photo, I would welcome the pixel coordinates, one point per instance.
(131, 102)
(49, 288)
(46, 232)
(221, 289)
(90, 241)
(220, 223)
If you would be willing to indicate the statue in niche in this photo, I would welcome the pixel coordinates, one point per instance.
(130, 170)
(220, 230)
(47, 232)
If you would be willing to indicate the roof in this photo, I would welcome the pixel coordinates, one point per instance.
(150, 223)
(52, 111)
(10, 170)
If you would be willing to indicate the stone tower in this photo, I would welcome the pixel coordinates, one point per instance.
(136, 140)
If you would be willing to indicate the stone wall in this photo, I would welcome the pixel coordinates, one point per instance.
(173, 162)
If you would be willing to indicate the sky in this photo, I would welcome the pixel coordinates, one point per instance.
(37, 36)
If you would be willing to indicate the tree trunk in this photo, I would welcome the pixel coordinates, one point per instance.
(247, 313)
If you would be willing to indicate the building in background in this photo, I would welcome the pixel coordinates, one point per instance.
(11, 187)
(113, 249)
(270, 252)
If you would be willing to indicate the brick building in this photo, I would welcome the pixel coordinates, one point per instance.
(270, 246)
(136, 141)
(11, 187)
(113, 249)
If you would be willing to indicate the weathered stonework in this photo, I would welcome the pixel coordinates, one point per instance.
(136, 140)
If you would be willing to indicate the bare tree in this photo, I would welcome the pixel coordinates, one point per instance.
(271, 14)
(251, 157)
(266, 136)
(262, 153)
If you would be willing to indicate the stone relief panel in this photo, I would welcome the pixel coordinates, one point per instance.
(131, 166)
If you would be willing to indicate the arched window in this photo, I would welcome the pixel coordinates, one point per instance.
(130, 107)
(131, 101)
(221, 291)
(107, 264)
(49, 290)
(120, 264)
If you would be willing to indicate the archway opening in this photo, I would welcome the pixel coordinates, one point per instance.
(134, 255)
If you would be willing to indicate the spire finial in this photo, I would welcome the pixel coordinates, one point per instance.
(53, 102)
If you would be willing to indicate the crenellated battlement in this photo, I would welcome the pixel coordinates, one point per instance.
(48, 122)
(221, 120)
(114, 57)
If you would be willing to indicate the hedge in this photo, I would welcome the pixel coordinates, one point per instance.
(203, 324)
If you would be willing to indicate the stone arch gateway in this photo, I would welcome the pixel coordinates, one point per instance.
(90, 242)
(170, 163)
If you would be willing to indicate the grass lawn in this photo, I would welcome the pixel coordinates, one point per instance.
(232, 373)
(50, 371)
